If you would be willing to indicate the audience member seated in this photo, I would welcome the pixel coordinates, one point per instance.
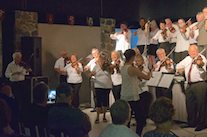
(5, 117)
(36, 114)
(62, 117)
(161, 112)
(120, 114)
(6, 94)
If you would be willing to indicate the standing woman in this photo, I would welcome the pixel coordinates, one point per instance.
(130, 88)
(74, 70)
(117, 63)
(153, 45)
(103, 84)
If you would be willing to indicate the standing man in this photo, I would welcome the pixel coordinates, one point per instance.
(202, 26)
(141, 35)
(123, 38)
(16, 74)
(60, 64)
(171, 29)
(194, 33)
(195, 72)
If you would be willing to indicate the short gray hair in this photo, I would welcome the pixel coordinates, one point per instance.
(160, 49)
(199, 14)
(15, 54)
(94, 49)
(120, 112)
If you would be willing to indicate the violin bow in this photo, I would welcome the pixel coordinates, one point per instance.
(186, 23)
(30, 58)
(167, 55)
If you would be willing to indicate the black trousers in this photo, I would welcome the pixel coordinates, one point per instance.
(116, 91)
(102, 96)
(141, 48)
(196, 103)
(91, 84)
(136, 107)
(163, 92)
(180, 56)
(63, 78)
(21, 92)
(76, 88)
(166, 46)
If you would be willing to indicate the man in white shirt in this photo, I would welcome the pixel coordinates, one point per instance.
(16, 74)
(166, 68)
(142, 39)
(121, 113)
(60, 64)
(194, 33)
(195, 72)
(123, 38)
(182, 44)
(171, 29)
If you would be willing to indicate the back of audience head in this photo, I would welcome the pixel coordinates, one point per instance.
(5, 115)
(5, 87)
(120, 112)
(40, 92)
(64, 93)
(161, 110)
(129, 54)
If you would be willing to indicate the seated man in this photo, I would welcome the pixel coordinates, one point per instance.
(6, 94)
(64, 118)
(121, 115)
(36, 114)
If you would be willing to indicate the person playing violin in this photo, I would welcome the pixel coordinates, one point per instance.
(16, 75)
(182, 44)
(92, 63)
(117, 63)
(162, 37)
(194, 67)
(60, 64)
(164, 65)
(102, 84)
(74, 70)
(141, 35)
(145, 95)
(123, 38)
(171, 29)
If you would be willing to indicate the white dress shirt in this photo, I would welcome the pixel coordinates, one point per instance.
(196, 33)
(116, 77)
(159, 37)
(73, 76)
(163, 68)
(195, 71)
(141, 37)
(11, 68)
(92, 64)
(123, 42)
(173, 39)
(182, 43)
(59, 64)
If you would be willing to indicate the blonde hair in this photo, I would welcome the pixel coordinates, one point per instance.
(117, 53)
(153, 24)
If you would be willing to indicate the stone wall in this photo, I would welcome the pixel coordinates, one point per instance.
(26, 24)
(107, 27)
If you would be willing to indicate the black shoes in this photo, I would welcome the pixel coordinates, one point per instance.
(199, 128)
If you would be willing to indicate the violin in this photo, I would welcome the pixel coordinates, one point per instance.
(172, 29)
(143, 27)
(184, 29)
(74, 64)
(107, 67)
(24, 65)
(117, 63)
(124, 31)
(67, 60)
(164, 34)
(167, 63)
(199, 58)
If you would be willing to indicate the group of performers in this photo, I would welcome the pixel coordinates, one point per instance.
(128, 70)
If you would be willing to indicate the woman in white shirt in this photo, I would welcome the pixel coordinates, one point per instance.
(116, 76)
(130, 87)
(102, 84)
(74, 70)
